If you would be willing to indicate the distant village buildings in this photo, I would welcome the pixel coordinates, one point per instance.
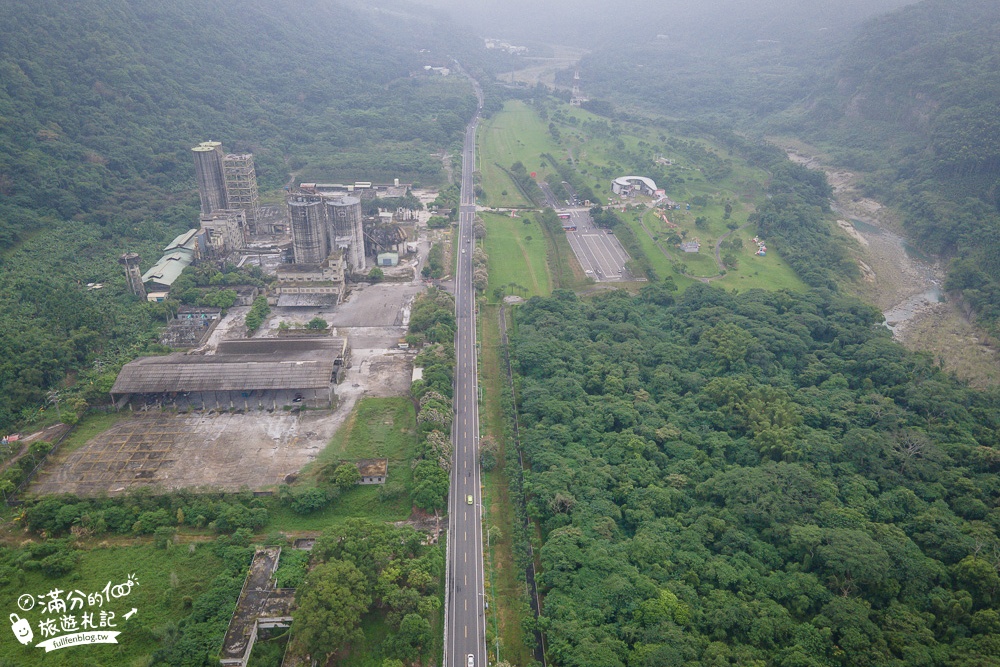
(506, 47)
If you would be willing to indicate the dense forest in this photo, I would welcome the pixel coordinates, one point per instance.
(100, 103)
(756, 479)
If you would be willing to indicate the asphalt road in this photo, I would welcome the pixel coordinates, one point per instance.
(465, 633)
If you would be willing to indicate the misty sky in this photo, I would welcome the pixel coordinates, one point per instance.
(584, 22)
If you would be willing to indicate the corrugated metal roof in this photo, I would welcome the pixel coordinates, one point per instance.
(170, 267)
(180, 372)
(185, 240)
(284, 346)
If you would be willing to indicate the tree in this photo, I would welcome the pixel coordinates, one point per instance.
(331, 601)
(346, 476)
(310, 501)
(317, 323)
(413, 638)
(377, 274)
(431, 488)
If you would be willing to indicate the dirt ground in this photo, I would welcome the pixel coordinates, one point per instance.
(902, 287)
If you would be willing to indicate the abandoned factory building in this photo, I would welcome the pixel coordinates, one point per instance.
(243, 374)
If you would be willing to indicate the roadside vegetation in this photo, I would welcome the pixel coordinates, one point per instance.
(509, 621)
(372, 592)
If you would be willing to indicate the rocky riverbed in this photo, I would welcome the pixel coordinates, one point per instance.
(905, 284)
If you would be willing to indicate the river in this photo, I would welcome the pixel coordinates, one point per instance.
(906, 285)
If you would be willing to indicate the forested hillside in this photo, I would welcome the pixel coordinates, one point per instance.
(755, 479)
(916, 101)
(100, 103)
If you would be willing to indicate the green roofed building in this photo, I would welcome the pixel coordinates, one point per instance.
(179, 254)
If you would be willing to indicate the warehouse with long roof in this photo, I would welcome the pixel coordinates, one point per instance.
(248, 374)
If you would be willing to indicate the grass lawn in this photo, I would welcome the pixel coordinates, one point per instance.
(516, 134)
(165, 578)
(769, 272)
(378, 428)
(517, 250)
(504, 589)
(92, 424)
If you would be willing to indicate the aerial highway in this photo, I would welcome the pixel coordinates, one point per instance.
(465, 631)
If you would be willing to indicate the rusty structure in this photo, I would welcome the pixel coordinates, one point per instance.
(133, 276)
(241, 187)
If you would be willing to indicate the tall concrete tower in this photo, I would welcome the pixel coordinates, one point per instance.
(241, 187)
(310, 237)
(211, 179)
(346, 229)
(133, 276)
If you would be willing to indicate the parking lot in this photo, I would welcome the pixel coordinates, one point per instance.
(599, 252)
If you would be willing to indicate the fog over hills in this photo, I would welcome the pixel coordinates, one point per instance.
(593, 23)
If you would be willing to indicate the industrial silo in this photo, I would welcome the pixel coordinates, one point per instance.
(211, 179)
(346, 229)
(309, 233)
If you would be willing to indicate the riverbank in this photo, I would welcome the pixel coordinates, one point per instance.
(903, 283)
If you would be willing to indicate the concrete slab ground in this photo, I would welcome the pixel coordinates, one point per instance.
(221, 450)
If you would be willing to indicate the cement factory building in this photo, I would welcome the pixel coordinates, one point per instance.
(344, 215)
(323, 224)
(226, 182)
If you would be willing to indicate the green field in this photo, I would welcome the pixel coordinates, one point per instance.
(517, 134)
(690, 170)
(378, 428)
(166, 578)
(751, 271)
(517, 250)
